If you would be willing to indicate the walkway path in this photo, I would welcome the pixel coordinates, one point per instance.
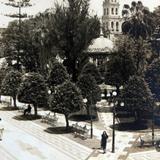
(24, 140)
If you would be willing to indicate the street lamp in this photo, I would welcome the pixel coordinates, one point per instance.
(114, 94)
(91, 121)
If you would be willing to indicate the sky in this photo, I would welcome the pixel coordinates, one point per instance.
(42, 5)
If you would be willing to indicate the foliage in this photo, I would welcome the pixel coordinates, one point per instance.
(71, 32)
(153, 77)
(137, 96)
(57, 75)
(90, 89)
(121, 65)
(91, 69)
(10, 84)
(139, 20)
(67, 99)
(21, 49)
(33, 90)
(12, 36)
(156, 14)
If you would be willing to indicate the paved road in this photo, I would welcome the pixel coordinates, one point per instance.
(26, 140)
(148, 155)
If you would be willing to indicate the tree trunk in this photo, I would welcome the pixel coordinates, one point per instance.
(67, 122)
(14, 101)
(88, 108)
(35, 109)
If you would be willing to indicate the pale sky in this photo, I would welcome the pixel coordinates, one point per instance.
(41, 5)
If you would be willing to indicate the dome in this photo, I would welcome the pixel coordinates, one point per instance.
(101, 45)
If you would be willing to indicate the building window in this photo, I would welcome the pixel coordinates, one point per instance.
(112, 26)
(106, 25)
(117, 26)
(116, 11)
(107, 11)
(104, 11)
(112, 11)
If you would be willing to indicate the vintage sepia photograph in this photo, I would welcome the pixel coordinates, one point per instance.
(79, 79)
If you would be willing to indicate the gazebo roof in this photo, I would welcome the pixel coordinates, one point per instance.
(101, 45)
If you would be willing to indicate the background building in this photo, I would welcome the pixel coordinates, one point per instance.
(111, 19)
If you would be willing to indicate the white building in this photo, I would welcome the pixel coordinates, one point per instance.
(111, 19)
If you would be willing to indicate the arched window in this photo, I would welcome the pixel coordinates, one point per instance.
(112, 10)
(116, 11)
(112, 26)
(104, 11)
(117, 26)
(106, 27)
(107, 11)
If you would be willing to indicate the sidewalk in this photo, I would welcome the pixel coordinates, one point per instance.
(29, 132)
(25, 140)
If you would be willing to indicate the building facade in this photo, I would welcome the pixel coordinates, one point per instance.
(111, 19)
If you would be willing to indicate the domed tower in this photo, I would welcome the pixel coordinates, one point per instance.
(111, 19)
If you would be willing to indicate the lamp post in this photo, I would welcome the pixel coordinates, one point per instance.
(114, 94)
(91, 121)
(152, 124)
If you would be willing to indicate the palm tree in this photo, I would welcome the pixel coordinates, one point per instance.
(138, 21)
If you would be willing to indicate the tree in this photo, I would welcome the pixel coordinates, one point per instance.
(121, 65)
(16, 47)
(57, 75)
(137, 96)
(28, 56)
(91, 69)
(138, 22)
(153, 78)
(10, 84)
(156, 14)
(3, 71)
(66, 100)
(71, 32)
(33, 90)
(89, 89)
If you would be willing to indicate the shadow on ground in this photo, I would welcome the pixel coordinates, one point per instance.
(132, 126)
(58, 130)
(10, 108)
(27, 117)
(82, 117)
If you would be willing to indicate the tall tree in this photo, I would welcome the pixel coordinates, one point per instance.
(33, 90)
(137, 96)
(156, 14)
(91, 69)
(28, 56)
(138, 20)
(72, 31)
(121, 65)
(16, 48)
(89, 89)
(153, 78)
(10, 84)
(66, 100)
(3, 72)
(57, 75)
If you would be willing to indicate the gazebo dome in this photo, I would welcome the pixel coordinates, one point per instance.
(101, 45)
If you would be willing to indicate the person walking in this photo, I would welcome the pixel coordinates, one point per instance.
(1, 129)
(104, 141)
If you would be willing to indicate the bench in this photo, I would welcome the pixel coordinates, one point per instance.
(147, 139)
(80, 131)
(50, 119)
(21, 108)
